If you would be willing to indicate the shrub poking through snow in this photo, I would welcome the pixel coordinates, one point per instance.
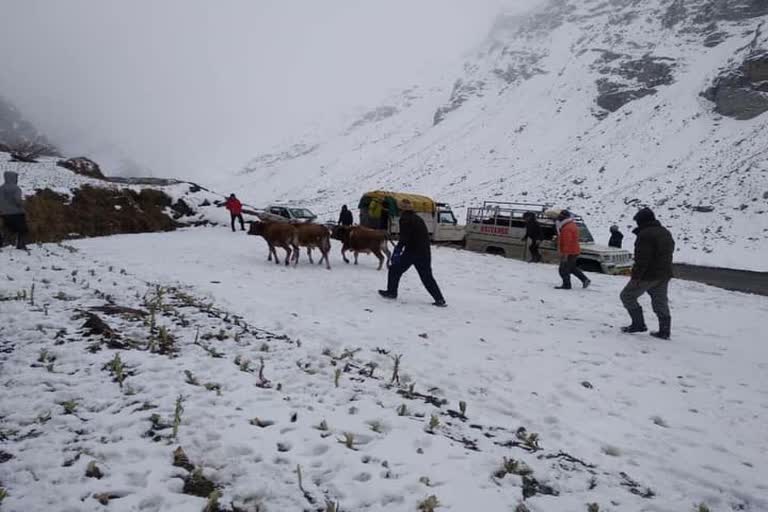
(212, 505)
(177, 412)
(463, 408)
(336, 377)
(180, 459)
(396, 369)
(196, 484)
(593, 507)
(402, 410)
(701, 507)
(348, 440)
(93, 471)
(429, 504)
(513, 467)
(434, 423)
(529, 440)
(70, 406)
(116, 369)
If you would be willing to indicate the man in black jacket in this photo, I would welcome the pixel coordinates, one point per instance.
(651, 274)
(345, 217)
(617, 237)
(412, 249)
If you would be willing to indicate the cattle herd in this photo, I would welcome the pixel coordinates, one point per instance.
(291, 237)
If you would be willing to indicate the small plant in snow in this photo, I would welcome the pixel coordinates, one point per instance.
(403, 410)
(513, 467)
(190, 378)
(213, 502)
(434, 422)
(702, 507)
(463, 408)
(593, 507)
(530, 440)
(243, 363)
(116, 368)
(263, 382)
(336, 377)
(213, 386)
(331, 506)
(348, 440)
(429, 504)
(323, 426)
(376, 426)
(70, 406)
(522, 508)
(396, 369)
(177, 412)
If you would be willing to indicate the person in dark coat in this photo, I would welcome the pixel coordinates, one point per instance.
(235, 208)
(414, 248)
(12, 209)
(533, 233)
(654, 248)
(617, 237)
(345, 217)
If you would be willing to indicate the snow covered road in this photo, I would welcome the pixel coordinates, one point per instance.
(627, 422)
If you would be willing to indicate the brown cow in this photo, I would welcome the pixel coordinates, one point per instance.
(277, 234)
(361, 239)
(314, 236)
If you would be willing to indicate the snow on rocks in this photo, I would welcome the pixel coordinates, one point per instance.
(296, 388)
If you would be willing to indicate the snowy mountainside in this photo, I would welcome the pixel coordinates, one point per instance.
(593, 105)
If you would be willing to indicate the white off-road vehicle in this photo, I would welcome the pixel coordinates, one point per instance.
(499, 228)
(283, 213)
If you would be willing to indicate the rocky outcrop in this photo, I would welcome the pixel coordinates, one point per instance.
(627, 79)
(462, 91)
(83, 166)
(742, 92)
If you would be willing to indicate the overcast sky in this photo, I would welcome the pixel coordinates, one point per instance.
(191, 87)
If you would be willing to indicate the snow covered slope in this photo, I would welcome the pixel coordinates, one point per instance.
(626, 422)
(591, 104)
(199, 205)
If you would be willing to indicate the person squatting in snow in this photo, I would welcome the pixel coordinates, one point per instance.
(534, 234)
(235, 208)
(654, 248)
(569, 249)
(12, 209)
(414, 248)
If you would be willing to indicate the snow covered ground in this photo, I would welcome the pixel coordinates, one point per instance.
(627, 422)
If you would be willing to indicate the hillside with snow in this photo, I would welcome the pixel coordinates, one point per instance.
(599, 106)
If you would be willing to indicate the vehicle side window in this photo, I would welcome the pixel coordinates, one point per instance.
(446, 218)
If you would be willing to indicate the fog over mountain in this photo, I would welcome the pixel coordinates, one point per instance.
(190, 88)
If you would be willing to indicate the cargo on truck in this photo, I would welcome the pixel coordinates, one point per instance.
(381, 209)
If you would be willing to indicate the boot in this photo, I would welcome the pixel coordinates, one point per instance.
(665, 324)
(638, 322)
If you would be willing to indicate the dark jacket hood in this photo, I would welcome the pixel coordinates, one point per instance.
(11, 178)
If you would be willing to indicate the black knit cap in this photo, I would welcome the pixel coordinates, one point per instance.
(644, 216)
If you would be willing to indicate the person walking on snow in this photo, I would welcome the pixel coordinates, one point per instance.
(617, 237)
(532, 233)
(654, 248)
(569, 249)
(345, 217)
(235, 208)
(12, 209)
(412, 249)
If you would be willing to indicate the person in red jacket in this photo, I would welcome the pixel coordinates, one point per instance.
(235, 208)
(569, 249)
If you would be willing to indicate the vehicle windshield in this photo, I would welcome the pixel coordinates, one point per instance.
(584, 234)
(302, 213)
